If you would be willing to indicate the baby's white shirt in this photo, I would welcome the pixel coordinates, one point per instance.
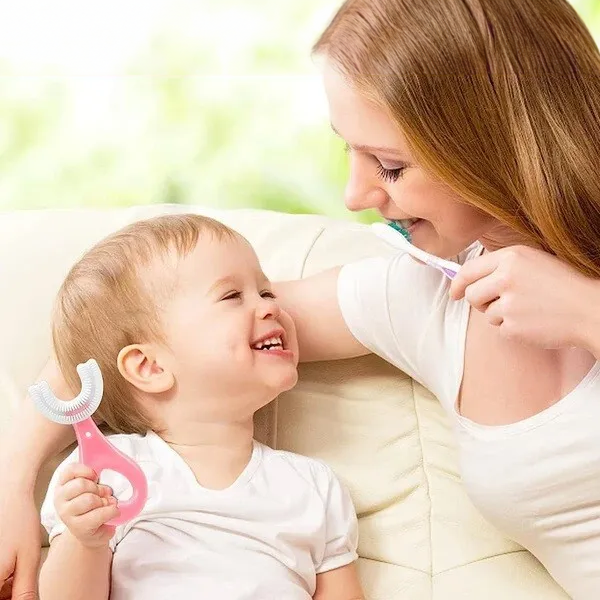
(537, 480)
(266, 537)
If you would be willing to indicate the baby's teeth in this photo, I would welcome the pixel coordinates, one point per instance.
(269, 342)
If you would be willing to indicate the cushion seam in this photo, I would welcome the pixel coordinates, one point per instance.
(479, 560)
(426, 479)
(318, 235)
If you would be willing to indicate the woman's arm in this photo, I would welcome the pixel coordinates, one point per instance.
(339, 584)
(73, 571)
(313, 304)
(31, 440)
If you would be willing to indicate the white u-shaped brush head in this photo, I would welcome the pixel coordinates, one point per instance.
(67, 412)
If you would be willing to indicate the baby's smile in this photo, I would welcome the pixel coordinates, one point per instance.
(273, 343)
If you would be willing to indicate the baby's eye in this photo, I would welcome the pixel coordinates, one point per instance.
(232, 296)
(268, 294)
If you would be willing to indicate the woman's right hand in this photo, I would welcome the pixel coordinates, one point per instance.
(20, 542)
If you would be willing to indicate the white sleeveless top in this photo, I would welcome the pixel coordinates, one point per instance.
(537, 480)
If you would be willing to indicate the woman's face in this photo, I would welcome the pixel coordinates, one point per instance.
(385, 176)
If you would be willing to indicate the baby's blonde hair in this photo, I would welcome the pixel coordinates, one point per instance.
(105, 304)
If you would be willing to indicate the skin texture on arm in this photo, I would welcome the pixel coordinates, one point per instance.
(322, 331)
(339, 584)
(73, 571)
(31, 440)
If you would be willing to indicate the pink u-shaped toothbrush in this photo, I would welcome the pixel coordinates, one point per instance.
(95, 450)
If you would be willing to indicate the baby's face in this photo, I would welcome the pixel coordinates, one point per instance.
(229, 343)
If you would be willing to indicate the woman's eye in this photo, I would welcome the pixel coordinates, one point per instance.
(268, 294)
(232, 296)
(390, 175)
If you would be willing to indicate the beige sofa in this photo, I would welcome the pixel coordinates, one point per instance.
(387, 437)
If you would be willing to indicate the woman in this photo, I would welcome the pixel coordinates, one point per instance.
(476, 123)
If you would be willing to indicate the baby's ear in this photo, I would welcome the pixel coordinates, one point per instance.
(139, 365)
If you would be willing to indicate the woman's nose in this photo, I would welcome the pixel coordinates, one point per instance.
(362, 192)
(374, 198)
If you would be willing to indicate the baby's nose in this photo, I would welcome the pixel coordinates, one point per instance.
(268, 307)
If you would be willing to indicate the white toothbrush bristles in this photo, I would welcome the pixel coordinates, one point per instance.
(67, 412)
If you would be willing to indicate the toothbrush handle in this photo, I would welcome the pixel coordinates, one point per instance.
(97, 452)
(450, 273)
(447, 271)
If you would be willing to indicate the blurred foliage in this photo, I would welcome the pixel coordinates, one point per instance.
(215, 103)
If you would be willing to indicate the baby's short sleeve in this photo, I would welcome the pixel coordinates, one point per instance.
(341, 524)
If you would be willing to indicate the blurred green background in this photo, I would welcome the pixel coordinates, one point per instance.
(213, 102)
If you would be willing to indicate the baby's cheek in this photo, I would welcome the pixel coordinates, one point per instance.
(236, 351)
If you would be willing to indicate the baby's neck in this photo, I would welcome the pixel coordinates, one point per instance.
(217, 453)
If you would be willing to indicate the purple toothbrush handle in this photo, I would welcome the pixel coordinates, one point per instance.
(449, 272)
(98, 453)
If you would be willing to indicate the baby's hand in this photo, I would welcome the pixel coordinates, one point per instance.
(84, 506)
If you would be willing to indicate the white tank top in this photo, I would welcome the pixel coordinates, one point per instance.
(537, 480)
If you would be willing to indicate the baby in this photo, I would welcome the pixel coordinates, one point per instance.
(191, 343)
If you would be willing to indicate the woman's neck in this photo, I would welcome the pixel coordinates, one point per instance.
(216, 452)
(501, 236)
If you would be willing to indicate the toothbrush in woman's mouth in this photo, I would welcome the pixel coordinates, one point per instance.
(403, 226)
(395, 234)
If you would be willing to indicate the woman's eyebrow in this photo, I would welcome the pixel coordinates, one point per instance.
(370, 149)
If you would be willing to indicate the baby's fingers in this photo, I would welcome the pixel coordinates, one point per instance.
(84, 504)
(75, 488)
(77, 470)
(93, 520)
(79, 486)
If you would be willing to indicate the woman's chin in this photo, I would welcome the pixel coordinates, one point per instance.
(426, 237)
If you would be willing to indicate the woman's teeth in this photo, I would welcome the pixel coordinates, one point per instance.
(274, 342)
(406, 223)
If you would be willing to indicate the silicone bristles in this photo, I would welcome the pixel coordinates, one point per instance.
(67, 412)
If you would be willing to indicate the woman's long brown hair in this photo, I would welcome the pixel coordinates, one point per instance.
(499, 99)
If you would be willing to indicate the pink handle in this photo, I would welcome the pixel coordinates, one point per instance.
(97, 452)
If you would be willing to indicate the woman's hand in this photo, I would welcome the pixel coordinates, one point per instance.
(20, 543)
(533, 297)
